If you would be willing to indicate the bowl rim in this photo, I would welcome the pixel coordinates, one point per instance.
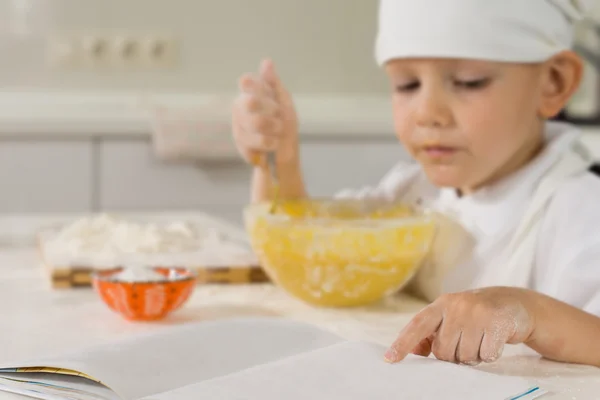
(421, 214)
(105, 276)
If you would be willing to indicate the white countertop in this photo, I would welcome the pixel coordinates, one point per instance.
(38, 321)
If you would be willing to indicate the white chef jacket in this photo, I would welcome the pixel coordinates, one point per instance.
(538, 228)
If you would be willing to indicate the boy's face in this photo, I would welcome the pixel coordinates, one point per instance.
(467, 123)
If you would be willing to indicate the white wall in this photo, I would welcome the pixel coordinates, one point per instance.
(321, 46)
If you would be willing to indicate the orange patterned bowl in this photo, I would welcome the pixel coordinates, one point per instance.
(145, 300)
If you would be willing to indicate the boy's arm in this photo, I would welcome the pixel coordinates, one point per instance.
(473, 326)
(564, 333)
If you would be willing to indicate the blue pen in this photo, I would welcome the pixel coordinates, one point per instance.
(530, 391)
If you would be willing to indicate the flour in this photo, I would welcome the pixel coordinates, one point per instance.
(106, 233)
(106, 241)
(138, 274)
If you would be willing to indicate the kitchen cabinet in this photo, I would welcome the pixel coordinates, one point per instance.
(46, 175)
(131, 177)
(120, 174)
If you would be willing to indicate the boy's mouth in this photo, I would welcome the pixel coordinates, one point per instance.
(439, 151)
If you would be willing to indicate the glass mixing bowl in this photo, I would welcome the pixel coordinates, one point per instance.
(337, 253)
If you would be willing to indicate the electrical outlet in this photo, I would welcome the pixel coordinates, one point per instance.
(125, 52)
(137, 52)
(159, 51)
(94, 51)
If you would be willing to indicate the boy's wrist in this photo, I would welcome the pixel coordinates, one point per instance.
(291, 168)
(537, 308)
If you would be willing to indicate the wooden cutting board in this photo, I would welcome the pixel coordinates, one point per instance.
(239, 271)
(77, 277)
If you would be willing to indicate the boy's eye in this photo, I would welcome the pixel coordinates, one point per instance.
(408, 87)
(472, 84)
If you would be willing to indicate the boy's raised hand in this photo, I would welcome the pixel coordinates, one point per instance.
(264, 118)
(468, 327)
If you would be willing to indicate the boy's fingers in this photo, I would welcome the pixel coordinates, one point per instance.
(249, 84)
(423, 325)
(270, 77)
(468, 347)
(256, 104)
(446, 340)
(492, 346)
(423, 349)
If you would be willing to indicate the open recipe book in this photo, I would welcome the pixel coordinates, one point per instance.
(250, 358)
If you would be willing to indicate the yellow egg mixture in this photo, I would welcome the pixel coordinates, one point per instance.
(334, 255)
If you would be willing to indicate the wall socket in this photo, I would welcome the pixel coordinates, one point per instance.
(114, 51)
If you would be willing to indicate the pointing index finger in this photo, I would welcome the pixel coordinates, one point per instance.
(249, 84)
(424, 324)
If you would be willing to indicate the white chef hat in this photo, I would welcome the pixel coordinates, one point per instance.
(495, 30)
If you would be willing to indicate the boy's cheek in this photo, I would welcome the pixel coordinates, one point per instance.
(405, 140)
(402, 116)
(494, 148)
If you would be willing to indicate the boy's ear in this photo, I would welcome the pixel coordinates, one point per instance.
(561, 79)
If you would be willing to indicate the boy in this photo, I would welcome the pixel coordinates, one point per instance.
(475, 82)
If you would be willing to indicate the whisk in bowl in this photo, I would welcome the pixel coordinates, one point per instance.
(272, 165)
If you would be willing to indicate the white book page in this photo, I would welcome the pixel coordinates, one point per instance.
(355, 371)
(156, 363)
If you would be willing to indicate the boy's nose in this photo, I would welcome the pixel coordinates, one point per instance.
(432, 110)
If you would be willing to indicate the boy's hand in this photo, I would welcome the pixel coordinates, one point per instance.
(468, 327)
(264, 118)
